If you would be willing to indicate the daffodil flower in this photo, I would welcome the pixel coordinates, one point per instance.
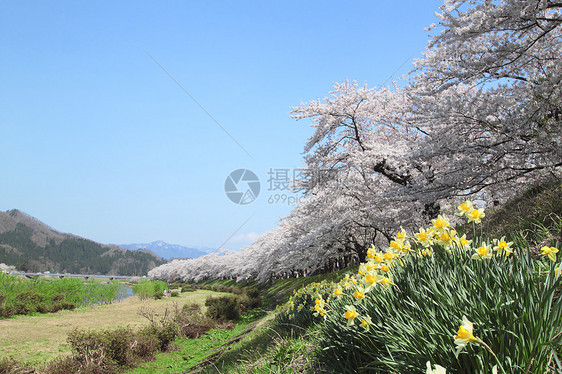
(464, 208)
(445, 239)
(440, 224)
(502, 246)
(388, 256)
(359, 293)
(350, 314)
(463, 242)
(464, 335)
(366, 322)
(550, 252)
(401, 235)
(438, 369)
(482, 252)
(476, 215)
(424, 238)
(362, 269)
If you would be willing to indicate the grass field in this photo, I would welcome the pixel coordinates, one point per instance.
(42, 338)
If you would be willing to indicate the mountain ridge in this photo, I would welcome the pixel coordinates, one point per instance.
(168, 251)
(31, 245)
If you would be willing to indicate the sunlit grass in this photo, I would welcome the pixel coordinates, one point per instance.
(43, 337)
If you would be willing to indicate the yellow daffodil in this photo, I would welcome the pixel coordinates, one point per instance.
(463, 242)
(445, 239)
(359, 293)
(482, 252)
(377, 258)
(501, 246)
(384, 268)
(426, 252)
(350, 314)
(388, 256)
(464, 208)
(370, 278)
(464, 335)
(550, 252)
(384, 282)
(438, 369)
(395, 246)
(440, 224)
(476, 215)
(338, 291)
(371, 252)
(362, 269)
(401, 235)
(424, 238)
(366, 322)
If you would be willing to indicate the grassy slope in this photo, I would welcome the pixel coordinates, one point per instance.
(535, 215)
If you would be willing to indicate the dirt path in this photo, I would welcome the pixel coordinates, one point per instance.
(39, 338)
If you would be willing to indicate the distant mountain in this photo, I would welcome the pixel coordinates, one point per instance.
(168, 251)
(31, 245)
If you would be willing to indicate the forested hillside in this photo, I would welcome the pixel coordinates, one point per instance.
(33, 246)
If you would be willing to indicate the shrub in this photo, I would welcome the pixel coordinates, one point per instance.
(12, 366)
(191, 321)
(146, 289)
(6, 311)
(250, 298)
(158, 294)
(164, 331)
(174, 293)
(224, 308)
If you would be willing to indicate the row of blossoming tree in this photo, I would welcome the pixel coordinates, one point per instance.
(479, 116)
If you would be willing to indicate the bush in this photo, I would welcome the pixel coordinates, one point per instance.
(174, 293)
(191, 322)
(249, 299)
(146, 289)
(224, 308)
(11, 366)
(6, 311)
(158, 295)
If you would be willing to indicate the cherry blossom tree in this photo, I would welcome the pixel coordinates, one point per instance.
(480, 116)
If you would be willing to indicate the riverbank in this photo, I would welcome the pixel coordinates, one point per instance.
(43, 337)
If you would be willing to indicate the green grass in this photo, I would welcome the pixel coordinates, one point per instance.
(191, 352)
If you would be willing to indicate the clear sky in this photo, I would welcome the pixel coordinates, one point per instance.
(120, 121)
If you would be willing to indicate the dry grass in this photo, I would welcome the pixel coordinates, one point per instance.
(42, 338)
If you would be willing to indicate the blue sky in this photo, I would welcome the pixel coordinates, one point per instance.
(98, 140)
